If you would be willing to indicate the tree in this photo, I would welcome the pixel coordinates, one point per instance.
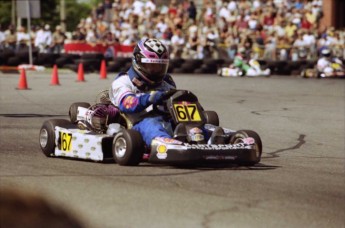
(50, 12)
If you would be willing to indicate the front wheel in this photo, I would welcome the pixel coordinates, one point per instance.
(47, 135)
(128, 147)
(211, 117)
(239, 137)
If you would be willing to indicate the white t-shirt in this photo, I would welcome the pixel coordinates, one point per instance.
(177, 40)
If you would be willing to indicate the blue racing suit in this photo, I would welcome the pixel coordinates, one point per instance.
(134, 97)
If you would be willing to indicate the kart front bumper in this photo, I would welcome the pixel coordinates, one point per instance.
(202, 153)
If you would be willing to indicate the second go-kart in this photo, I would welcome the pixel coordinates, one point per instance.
(197, 137)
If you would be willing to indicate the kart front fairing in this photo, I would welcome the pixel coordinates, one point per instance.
(176, 152)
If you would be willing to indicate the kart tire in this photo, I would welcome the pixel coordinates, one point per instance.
(211, 118)
(128, 147)
(241, 134)
(47, 135)
(73, 110)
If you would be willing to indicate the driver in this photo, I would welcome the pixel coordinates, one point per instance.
(240, 60)
(324, 64)
(146, 83)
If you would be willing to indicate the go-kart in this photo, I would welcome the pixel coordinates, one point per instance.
(334, 70)
(197, 137)
(254, 70)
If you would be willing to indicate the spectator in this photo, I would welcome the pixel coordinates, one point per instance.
(79, 35)
(150, 7)
(177, 44)
(210, 47)
(290, 29)
(283, 48)
(22, 38)
(224, 12)
(2, 38)
(268, 20)
(138, 7)
(298, 48)
(161, 27)
(192, 12)
(219, 23)
(253, 21)
(305, 23)
(58, 40)
(310, 41)
(192, 47)
(241, 24)
(100, 10)
(232, 5)
(11, 38)
(271, 47)
(298, 5)
(91, 36)
(108, 13)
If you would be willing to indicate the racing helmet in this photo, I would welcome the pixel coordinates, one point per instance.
(326, 52)
(151, 60)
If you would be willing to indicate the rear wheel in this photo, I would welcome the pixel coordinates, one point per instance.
(47, 135)
(239, 137)
(73, 110)
(128, 147)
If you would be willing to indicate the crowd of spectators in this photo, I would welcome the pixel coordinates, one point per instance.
(267, 29)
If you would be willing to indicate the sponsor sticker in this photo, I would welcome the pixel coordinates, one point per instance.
(195, 130)
(219, 157)
(218, 146)
(168, 141)
(249, 140)
(161, 61)
(65, 141)
(197, 137)
(162, 151)
(130, 102)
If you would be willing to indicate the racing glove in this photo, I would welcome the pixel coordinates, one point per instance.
(136, 103)
(156, 97)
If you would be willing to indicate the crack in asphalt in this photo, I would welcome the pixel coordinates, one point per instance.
(240, 206)
(301, 142)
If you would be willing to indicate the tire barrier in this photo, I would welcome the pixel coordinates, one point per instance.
(92, 63)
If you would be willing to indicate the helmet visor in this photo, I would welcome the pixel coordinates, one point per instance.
(154, 69)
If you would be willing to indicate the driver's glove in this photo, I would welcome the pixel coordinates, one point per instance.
(156, 97)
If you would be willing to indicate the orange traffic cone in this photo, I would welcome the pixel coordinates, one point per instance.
(81, 73)
(55, 77)
(103, 71)
(22, 80)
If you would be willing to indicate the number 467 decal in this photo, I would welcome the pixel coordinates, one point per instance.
(187, 112)
(65, 141)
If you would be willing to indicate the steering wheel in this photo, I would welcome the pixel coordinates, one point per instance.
(162, 107)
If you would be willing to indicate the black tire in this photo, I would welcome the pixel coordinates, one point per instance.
(128, 147)
(240, 135)
(211, 117)
(97, 56)
(47, 135)
(72, 66)
(73, 110)
(14, 61)
(62, 61)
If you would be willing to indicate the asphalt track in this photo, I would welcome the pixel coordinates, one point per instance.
(300, 181)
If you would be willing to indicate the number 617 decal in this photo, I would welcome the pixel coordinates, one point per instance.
(187, 112)
(65, 141)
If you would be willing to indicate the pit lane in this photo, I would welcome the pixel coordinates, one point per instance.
(300, 181)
